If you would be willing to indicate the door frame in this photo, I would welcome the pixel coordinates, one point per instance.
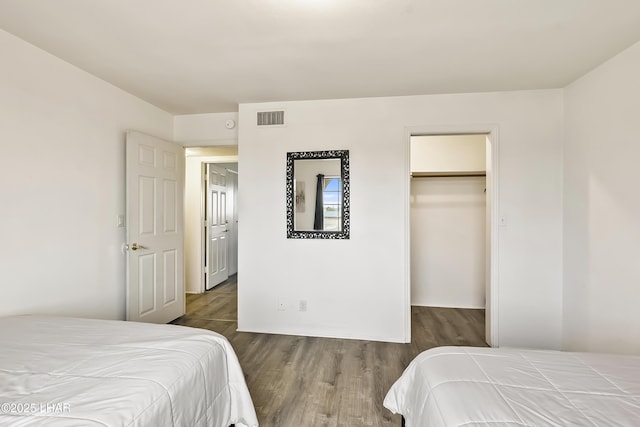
(203, 154)
(492, 335)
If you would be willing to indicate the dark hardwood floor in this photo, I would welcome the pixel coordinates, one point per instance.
(307, 381)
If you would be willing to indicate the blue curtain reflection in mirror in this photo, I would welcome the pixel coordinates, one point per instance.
(318, 221)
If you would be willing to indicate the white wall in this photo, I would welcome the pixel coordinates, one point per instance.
(358, 289)
(204, 130)
(602, 208)
(448, 241)
(62, 184)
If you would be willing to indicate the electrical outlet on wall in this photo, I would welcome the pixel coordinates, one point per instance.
(282, 305)
(303, 305)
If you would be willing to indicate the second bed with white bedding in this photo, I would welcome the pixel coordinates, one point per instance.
(456, 386)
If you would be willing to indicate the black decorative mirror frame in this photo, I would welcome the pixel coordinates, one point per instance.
(292, 232)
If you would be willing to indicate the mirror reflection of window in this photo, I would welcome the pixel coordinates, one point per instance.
(331, 203)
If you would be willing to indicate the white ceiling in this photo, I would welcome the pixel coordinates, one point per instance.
(196, 56)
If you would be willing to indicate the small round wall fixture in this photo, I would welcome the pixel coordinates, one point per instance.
(230, 124)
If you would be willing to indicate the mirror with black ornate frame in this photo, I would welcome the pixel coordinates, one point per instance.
(318, 194)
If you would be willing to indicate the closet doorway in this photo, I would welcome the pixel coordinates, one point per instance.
(451, 211)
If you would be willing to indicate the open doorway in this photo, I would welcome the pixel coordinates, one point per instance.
(200, 263)
(464, 189)
(220, 222)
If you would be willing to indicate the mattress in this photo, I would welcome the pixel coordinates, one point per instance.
(57, 371)
(455, 386)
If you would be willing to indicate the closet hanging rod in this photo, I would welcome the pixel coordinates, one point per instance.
(447, 174)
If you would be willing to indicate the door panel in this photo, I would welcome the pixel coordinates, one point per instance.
(170, 206)
(147, 200)
(147, 279)
(155, 237)
(171, 269)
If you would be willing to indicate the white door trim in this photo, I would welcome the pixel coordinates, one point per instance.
(493, 290)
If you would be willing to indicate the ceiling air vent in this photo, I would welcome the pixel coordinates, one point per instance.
(270, 118)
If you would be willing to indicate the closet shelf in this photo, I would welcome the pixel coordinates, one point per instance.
(447, 174)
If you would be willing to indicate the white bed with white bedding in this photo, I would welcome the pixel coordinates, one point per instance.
(57, 371)
(456, 386)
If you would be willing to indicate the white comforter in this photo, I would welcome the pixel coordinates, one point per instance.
(455, 386)
(68, 372)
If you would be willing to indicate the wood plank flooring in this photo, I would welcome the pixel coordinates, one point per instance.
(305, 381)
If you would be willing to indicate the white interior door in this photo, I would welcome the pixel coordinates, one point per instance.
(217, 221)
(155, 235)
